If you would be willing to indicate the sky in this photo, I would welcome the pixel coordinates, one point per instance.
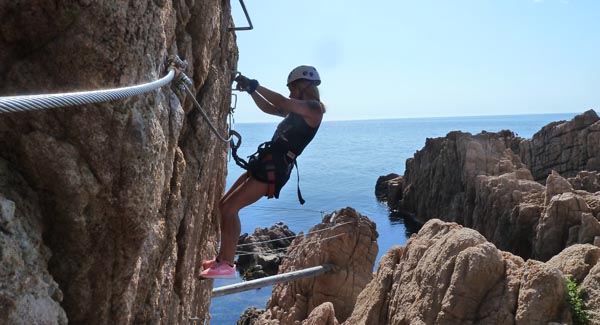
(426, 58)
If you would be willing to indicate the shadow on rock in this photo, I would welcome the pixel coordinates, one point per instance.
(259, 255)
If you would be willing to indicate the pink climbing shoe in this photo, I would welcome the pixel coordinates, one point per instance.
(209, 263)
(219, 271)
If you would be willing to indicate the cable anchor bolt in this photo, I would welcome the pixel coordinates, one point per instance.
(175, 62)
(179, 65)
(181, 80)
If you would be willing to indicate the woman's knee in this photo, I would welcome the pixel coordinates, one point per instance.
(227, 211)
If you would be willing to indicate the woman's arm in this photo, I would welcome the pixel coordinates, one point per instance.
(265, 105)
(285, 104)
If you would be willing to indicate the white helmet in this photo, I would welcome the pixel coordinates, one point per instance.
(304, 72)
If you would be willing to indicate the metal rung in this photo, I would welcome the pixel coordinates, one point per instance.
(249, 27)
(271, 280)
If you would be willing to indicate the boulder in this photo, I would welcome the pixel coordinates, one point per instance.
(591, 285)
(250, 316)
(389, 188)
(586, 181)
(324, 314)
(564, 212)
(506, 210)
(429, 282)
(542, 295)
(345, 239)
(261, 254)
(575, 262)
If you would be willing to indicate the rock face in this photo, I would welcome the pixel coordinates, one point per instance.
(440, 179)
(383, 186)
(448, 274)
(480, 181)
(344, 239)
(566, 147)
(261, 254)
(108, 208)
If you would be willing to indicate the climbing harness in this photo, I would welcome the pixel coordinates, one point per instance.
(266, 157)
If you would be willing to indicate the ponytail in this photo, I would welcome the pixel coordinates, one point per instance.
(310, 92)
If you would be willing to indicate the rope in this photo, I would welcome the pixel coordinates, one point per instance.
(212, 127)
(295, 236)
(287, 209)
(276, 250)
(13, 104)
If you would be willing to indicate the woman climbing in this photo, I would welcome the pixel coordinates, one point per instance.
(269, 169)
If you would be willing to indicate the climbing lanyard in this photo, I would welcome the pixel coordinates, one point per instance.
(212, 127)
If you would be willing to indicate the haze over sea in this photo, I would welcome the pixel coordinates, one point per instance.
(340, 168)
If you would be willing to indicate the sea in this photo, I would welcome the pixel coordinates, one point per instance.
(339, 169)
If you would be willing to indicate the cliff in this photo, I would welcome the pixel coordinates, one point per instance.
(509, 189)
(107, 209)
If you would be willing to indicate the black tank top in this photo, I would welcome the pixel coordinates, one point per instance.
(293, 134)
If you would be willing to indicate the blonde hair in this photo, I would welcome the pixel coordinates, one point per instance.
(309, 91)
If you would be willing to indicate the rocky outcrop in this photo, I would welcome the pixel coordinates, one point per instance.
(440, 180)
(481, 182)
(448, 274)
(586, 181)
(260, 254)
(250, 316)
(566, 220)
(565, 146)
(344, 239)
(383, 186)
(372, 304)
(108, 208)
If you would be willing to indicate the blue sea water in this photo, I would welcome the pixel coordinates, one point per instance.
(339, 169)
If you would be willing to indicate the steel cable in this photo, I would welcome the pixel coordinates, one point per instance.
(13, 104)
(278, 250)
(295, 236)
(212, 127)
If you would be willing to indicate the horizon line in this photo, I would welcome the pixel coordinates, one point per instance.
(431, 117)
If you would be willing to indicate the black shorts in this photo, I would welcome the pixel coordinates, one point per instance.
(266, 159)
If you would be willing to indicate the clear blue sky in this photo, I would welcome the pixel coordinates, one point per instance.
(423, 58)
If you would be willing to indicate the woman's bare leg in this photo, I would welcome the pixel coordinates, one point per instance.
(231, 190)
(235, 185)
(243, 195)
